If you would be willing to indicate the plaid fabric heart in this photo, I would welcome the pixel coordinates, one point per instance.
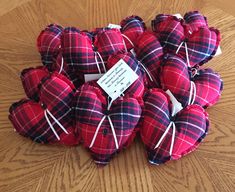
(149, 52)
(190, 86)
(49, 120)
(166, 137)
(31, 78)
(105, 129)
(198, 45)
(132, 27)
(48, 43)
(137, 88)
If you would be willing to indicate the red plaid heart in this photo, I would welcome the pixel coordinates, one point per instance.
(132, 27)
(31, 78)
(201, 43)
(176, 77)
(49, 43)
(80, 54)
(167, 137)
(105, 131)
(50, 120)
(149, 52)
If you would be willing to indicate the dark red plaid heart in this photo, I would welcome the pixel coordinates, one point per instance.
(137, 88)
(149, 52)
(202, 42)
(32, 119)
(132, 27)
(31, 78)
(49, 43)
(190, 126)
(176, 77)
(91, 110)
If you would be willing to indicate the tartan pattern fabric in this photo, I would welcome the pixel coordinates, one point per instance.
(48, 43)
(132, 27)
(176, 77)
(202, 41)
(149, 52)
(90, 107)
(31, 78)
(191, 127)
(28, 118)
(137, 88)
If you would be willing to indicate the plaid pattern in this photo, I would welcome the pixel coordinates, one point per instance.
(132, 27)
(149, 52)
(202, 42)
(90, 107)
(48, 43)
(137, 88)
(31, 78)
(108, 42)
(191, 127)
(194, 20)
(176, 77)
(27, 116)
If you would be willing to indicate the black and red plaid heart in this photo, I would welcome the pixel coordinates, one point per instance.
(180, 80)
(93, 123)
(166, 137)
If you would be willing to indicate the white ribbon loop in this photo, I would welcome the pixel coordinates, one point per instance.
(111, 126)
(46, 111)
(132, 44)
(97, 63)
(61, 65)
(186, 51)
(192, 93)
(146, 70)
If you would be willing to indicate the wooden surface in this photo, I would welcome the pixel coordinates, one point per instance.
(27, 166)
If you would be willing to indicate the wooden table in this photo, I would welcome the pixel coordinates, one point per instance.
(27, 166)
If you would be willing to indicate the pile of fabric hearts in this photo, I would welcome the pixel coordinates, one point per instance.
(165, 105)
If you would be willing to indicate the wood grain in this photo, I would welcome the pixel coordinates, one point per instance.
(27, 166)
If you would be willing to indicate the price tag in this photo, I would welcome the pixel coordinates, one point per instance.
(176, 104)
(114, 26)
(117, 79)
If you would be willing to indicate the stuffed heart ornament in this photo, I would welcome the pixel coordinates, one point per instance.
(189, 39)
(190, 86)
(132, 27)
(105, 128)
(31, 78)
(149, 52)
(49, 43)
(49, 120)
(166, 137)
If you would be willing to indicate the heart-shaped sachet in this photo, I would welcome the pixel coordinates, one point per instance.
(166, 137)
(190, 38)
(31, 78)
(132, 27)
(105, 128)
(49, 120)
(190, 86)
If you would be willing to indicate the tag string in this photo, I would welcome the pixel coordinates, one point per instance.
(186, 51)
(47, 112)
(147, 71)
(97, 63)
(111, 126)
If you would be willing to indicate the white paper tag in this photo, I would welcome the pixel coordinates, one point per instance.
(176, 104)
(178, 15)
(117, 79)
(218, 51)
(91, 77)
(133, 52)
(114, 26)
